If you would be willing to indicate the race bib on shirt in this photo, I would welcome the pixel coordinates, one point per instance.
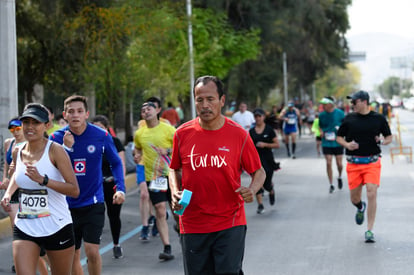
(159, 184)
(291, 120)
(33, 204)
(330, 136)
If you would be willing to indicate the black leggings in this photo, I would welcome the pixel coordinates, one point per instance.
(113, 211)
(268, 184)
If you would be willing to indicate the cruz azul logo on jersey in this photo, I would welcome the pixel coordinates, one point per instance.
(91, 149)
(79, 166)
(199, 160)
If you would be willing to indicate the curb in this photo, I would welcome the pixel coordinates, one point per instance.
(5, 227)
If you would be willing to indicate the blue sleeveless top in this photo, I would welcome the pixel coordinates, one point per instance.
(9, 157)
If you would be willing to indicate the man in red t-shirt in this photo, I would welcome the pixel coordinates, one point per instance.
(209, 155)
(171, 115)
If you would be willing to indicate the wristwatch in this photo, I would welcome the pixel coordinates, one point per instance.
(45, 181)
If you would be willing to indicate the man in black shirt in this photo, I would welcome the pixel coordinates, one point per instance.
(361, 133)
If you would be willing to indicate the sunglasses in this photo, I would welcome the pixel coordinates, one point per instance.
(17, 128)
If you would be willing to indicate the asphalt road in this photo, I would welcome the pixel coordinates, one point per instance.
(307, 231)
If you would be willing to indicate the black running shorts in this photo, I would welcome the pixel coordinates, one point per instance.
(336, 151)
(88, 223)
(218, 252)
(60, 240)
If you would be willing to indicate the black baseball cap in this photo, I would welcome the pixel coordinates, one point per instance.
(259, 111)
(362, 95)
(36, 112)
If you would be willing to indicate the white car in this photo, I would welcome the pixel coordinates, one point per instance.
(396, 102)
(408, 103)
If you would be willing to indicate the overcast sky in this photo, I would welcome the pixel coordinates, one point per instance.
(388, 16)
(383, 29)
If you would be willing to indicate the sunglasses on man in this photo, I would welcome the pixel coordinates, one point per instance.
(17, 128)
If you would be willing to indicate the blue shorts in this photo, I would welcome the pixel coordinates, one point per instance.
(290, 130)
(140, 173)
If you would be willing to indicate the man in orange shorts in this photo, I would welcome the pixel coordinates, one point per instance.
(361, 133)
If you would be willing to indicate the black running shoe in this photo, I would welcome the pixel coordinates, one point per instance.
(118, 253)
(272, 197)
(166, 254)
(331, 188)
(151, 220)
(340, 183)
(260, 209)
(154, 230)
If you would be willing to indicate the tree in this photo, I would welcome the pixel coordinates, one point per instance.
(127, 49)
(310, 32)
(394, 86)
(338, 82)
(159, 56)
(47, 53)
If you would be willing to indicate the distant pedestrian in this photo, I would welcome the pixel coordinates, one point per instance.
(362, 133)
(329, 121)
(265, 139)
(53, 126)
(317, 132)
(243, 117)
(310, 112)
(130, 164)
(209, 154)
(171, 115)
(273, 119)
(180, 112)
(291, 119)
(109, 186)
(61, 120)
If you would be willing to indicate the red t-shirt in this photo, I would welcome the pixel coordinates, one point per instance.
(172, 116)
(211, 163)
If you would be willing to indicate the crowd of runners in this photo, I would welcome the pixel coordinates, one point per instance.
(86, 163)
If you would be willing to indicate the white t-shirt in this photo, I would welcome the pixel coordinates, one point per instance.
(245, 119)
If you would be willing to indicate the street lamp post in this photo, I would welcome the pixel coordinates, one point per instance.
(190, 53)
(8, 68)
(285, 83)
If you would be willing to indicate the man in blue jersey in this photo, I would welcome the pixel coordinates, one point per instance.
(86, 144)
(329, 121)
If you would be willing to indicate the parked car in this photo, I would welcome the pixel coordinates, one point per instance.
(408, 103)
(396, 102)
